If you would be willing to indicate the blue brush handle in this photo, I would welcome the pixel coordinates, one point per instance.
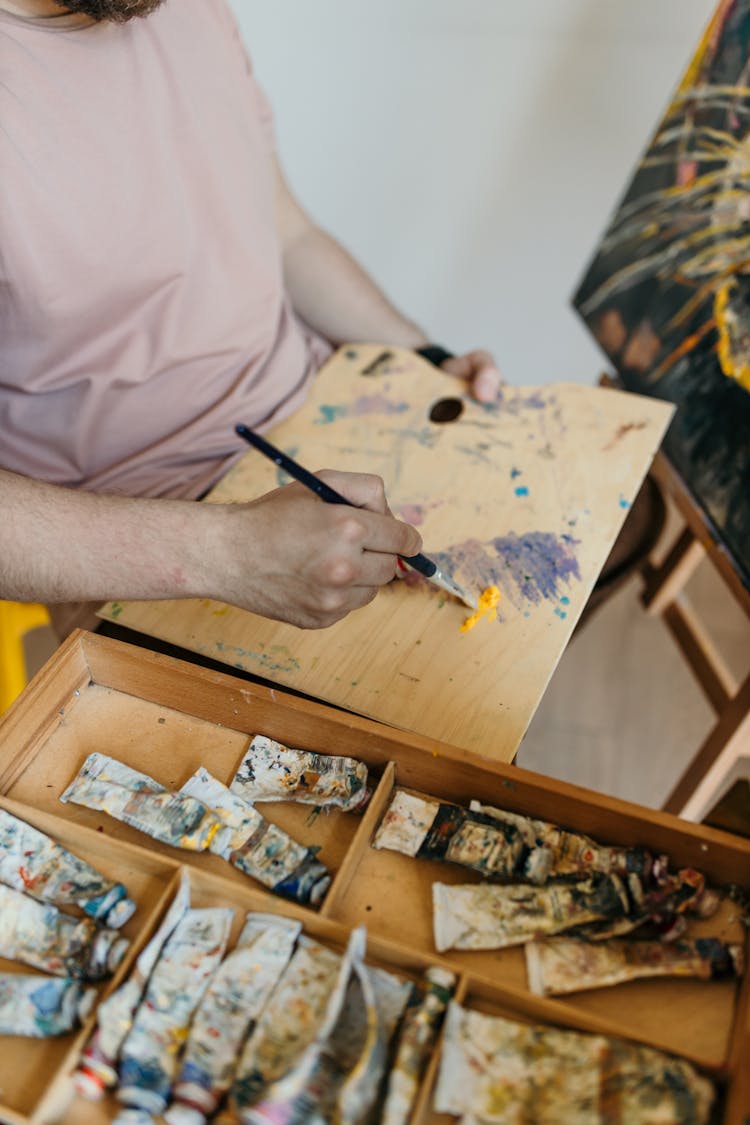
(420, 562)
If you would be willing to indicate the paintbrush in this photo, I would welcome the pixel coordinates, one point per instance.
(420, 563)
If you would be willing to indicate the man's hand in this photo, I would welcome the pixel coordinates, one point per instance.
(480, 371)
(291, 557)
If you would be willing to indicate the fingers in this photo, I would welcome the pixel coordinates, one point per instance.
(480, 370)
(363, 490)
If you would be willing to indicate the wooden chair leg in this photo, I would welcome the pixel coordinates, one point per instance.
(728, 741)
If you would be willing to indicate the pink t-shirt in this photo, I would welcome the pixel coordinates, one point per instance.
(142, 305)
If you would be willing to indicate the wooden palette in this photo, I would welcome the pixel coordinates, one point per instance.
(528, 494)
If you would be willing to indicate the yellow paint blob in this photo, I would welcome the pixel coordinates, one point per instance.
(488, 600)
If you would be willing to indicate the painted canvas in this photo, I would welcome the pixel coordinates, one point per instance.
(667, 294)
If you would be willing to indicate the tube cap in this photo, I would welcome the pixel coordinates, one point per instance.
(181, 1114)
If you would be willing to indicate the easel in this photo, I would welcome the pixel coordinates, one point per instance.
(725, 754)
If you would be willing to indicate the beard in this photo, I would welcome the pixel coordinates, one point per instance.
(116, 11)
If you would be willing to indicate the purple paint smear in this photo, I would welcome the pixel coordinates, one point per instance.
(527, 568)
(365, 404)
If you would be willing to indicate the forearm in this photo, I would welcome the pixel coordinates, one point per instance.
(335, 295)
(57, 544)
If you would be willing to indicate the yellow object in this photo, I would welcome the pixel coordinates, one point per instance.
(488, 600)
(16, 620)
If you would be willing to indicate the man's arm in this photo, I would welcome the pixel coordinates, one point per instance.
(286, 555)
(334, 294)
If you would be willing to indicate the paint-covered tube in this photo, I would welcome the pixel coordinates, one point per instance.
(32, 862)
(574, 854)
(40, 935)
(258, 848)
(563, 965)
(430, 829)
(419, 1033)
(492, 1068)
(136, 799)
(239, 818)
(115, 1014)
(270, 771)
(488, 916)
(232, 1004)
(337, 1077)
(289, 1023)
(40, 1007)
(298, 1095)
(148, 1059)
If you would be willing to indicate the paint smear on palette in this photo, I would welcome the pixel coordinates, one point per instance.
(516, 402)
(365, 404)
(528, 568)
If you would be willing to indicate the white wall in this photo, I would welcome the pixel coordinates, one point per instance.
(469, 152)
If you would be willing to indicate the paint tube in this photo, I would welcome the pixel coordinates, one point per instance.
(40, 1007)
(419, 1032)
(232, 1004)
(431, 829)
(488, 916)
(32, 862)
(148, 1059)
(288, 1024)
(493, 1069)
(300, 1092)
(569, 965)
(134, 798)
(40, 935)
(661, 909)
(114, 1016)
(239, 818)
(574, 854)
(374, 1013)
(270, 771)
(258, 848)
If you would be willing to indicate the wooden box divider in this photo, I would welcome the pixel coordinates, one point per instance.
(165, 717)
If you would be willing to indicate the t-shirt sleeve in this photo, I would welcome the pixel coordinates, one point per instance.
(262, 104)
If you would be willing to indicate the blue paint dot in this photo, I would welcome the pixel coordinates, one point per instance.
(565, 600)
(522, 490)
(514, 473)
(561, 613)
(623, 502)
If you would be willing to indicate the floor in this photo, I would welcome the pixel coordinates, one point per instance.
(622, 714)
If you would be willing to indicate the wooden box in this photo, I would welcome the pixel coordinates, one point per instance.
(166, 717)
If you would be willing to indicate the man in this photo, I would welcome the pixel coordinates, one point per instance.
(158, 284)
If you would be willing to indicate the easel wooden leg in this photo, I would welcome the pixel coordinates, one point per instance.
(726, 744)
(665, 582)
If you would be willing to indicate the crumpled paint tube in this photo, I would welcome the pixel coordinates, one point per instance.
(336, 1079)
(114, 1015)
(40, 935)
(270, 771)
(297, 1095)
(662, 909)
(496, 1070)
(258, 848)
(431, 829)
(233, 1002)
(574, 854)
(382, 1002)
(32, 862)
(288, 1024)
(148, 1059)
(564, 965)
(488, 916)
(419, 1032)
(136, 799)
(40, 1007)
